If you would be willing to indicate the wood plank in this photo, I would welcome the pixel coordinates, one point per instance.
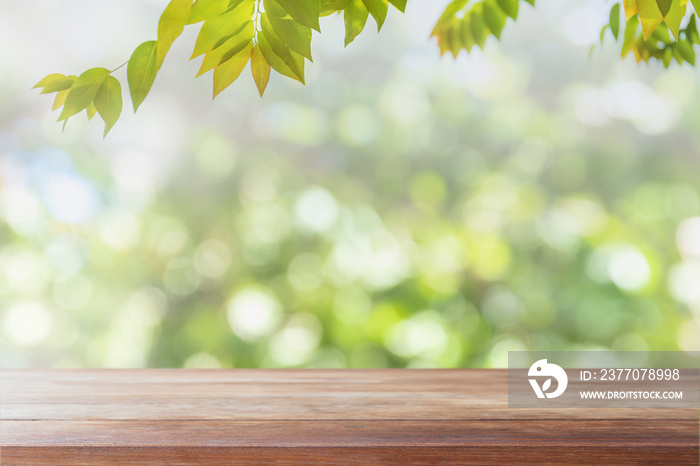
(349, 433)
(324, 416)
(248, 394)
(501, 455)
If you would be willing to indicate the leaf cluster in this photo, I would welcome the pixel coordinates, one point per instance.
(275, 35)
(94, 91)
(271, 35)
(466, 24)
(651, 29)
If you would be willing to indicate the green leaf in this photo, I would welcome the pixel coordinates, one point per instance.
(454, 37)
(443, 34)
(49, 79)
(691, 31)
(677, 55)
(59, 85)
(171, 24)
(509, 7)
(229, 23)
(260, 69)
(378, 9)
(304, 12)
(664, 6)
(91, 110)
(280, 57)
(60, 99)
(295, 35)
(649, 15)
(356, 15)
(83, 92)
(233, 51)
(686, 51)
(224, 39)
(674, 16)
(479, 29)
(399, 4)
(662, 35)
(630, 8)
(203, 10)
(278, 64)
(615, 20)
(226, 73)
(667, 57)
(108, 102)
(451, 10)
(630, 33)
(229, 48)
(494, 17)
(141, 72)
(331, 6)
(467, 34)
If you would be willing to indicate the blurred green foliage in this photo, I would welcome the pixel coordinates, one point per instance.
(390, 214)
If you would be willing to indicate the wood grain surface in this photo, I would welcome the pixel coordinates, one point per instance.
(163, 416)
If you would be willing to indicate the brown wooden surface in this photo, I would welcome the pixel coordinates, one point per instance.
(80, 417)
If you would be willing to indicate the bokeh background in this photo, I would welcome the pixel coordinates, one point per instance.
(401, 210)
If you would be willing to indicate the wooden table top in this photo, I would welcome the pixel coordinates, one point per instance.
(168, 416)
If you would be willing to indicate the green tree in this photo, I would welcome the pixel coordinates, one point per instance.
(276, 35)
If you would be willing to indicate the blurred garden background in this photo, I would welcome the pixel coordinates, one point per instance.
(401, 210)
